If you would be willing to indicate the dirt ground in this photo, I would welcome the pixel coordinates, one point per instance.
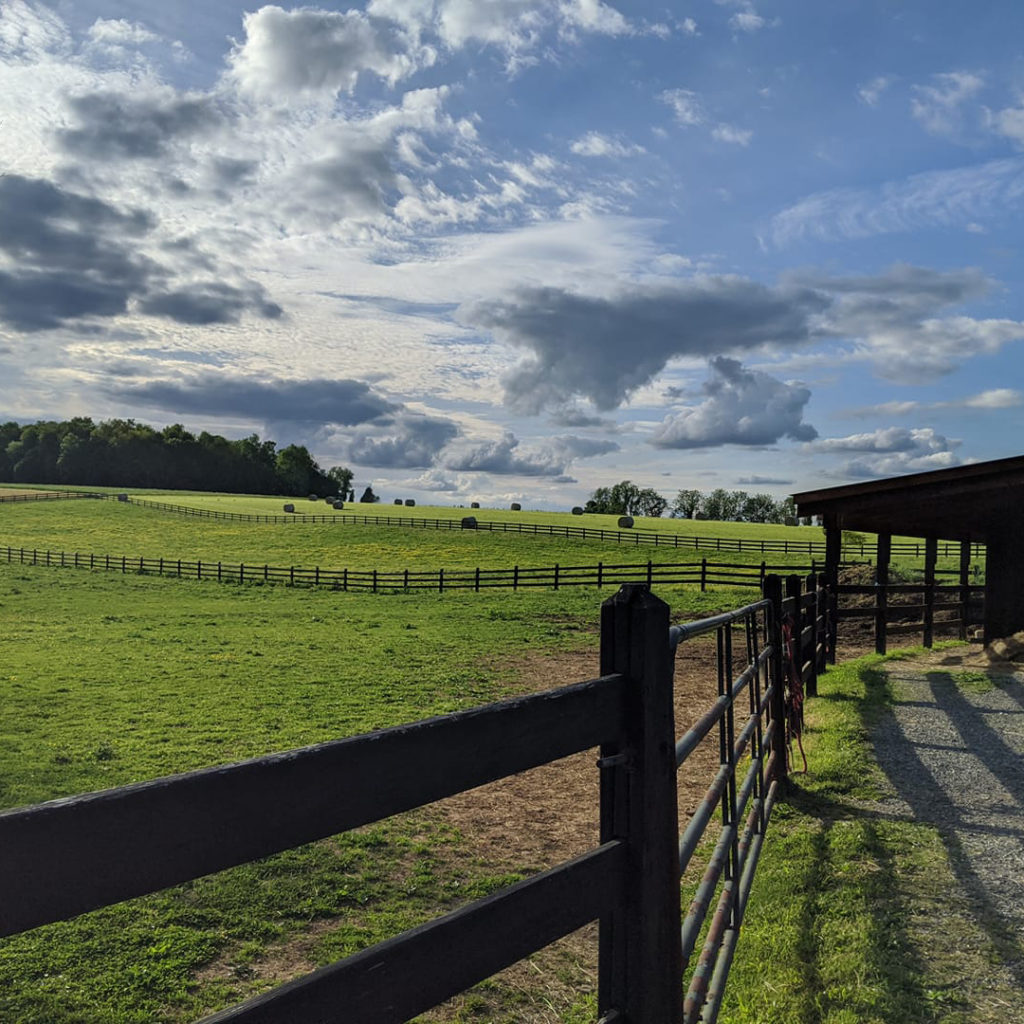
(525, 824)
(549, 814)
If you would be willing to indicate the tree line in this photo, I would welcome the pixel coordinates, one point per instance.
(626, 498)
(123, 453)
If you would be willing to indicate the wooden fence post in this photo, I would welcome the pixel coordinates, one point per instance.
(811, 589)
(640, 966)
(773, 592)
(883, 554)
(794, 590)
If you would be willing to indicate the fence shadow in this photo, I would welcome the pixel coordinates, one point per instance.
(953, 768)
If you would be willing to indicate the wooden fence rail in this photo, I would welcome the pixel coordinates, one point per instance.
(893, 612)
(68, 856)
(633, 537)
(49, 496)
(704, 573)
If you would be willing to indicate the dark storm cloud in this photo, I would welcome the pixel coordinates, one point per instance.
(72, 255)
(412, 442)
(343, 402)
(210, 303)
(605, 348)
(117, 126)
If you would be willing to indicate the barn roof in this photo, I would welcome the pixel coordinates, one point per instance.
(974, 502)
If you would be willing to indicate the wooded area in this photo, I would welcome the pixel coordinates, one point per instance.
(123, 453)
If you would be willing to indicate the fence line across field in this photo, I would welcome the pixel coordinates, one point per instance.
(69, 856)
(637, 538)
(703, 573)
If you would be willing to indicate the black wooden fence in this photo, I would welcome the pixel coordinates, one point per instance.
(69, 856)
(631, 536)
(926, 609)
(49, 495)
(636, 538)
(703, 573)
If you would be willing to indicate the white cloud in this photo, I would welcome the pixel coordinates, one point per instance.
(939, 106)
(1009, 122)
(29, 32)
(996, 398)
(743, 407)
(891, 451)
(871, 92)
(747, 21)
(596, 144)
(319, 53)
(732, 134)
(932, 199)
(120, 32)
(685, 104)
(594, 16)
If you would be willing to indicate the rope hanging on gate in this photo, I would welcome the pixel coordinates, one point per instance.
(795, 701)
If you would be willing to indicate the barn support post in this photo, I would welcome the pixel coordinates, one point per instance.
(965, 587)
(833, 553)
(931, 553)
(640, 965)
(882, 593)
(1004, 570)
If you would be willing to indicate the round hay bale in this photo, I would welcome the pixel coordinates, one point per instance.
(625, 522)
(516, 507)
(314, 497)
(469, 522)
(398, 501)
(577, 511)
(339, 504)
(474, 504)
(289, 507)
(410, 502)
(332, 500)
(122, 497)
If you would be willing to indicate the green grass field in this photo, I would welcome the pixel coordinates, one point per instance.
(118, 528)
(110, 679)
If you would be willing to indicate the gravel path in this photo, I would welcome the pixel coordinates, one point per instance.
(954, 751)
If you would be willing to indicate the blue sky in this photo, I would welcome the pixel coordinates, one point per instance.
(517, 249)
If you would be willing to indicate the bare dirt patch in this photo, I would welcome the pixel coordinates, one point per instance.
(547, 815)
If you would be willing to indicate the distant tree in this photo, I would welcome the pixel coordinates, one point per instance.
(342, 478)
(686, 504)
(722, 505)
(649, 503)
(760, 508)
(368, 497)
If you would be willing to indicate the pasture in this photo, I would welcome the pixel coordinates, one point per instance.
(112, 679)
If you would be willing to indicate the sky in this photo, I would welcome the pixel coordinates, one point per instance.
(514, 250)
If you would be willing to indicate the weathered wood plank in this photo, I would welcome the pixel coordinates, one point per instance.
(151, 835)
(398, 979)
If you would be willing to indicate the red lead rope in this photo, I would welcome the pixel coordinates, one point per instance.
(795, 702)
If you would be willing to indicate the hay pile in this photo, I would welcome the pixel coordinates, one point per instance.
(1009, 648)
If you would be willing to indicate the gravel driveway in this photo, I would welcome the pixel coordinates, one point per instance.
(953, 749)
